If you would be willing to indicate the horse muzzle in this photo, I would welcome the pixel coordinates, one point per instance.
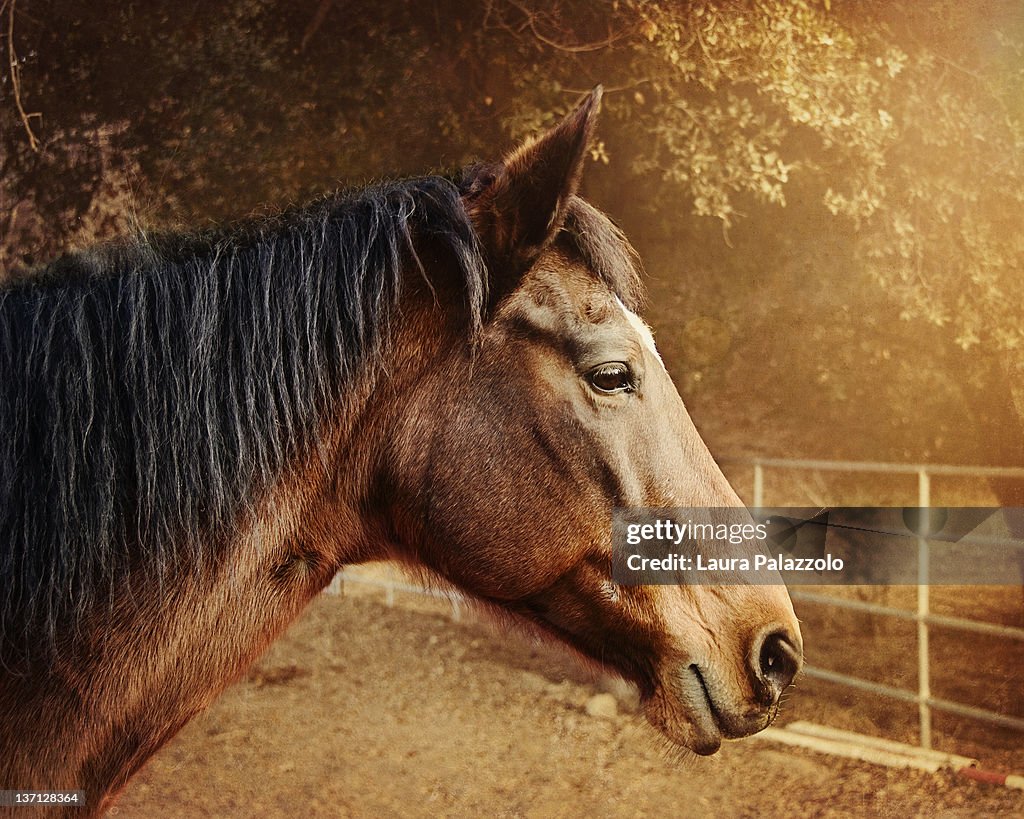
(725, 689)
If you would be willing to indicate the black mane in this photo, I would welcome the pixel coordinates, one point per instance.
(151, 391)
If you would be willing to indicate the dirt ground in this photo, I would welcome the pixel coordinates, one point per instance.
(367, 710)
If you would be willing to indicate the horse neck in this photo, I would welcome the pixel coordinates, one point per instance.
(368, 505)
(206, 624)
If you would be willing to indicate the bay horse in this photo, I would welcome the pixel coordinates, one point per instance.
(200, 430)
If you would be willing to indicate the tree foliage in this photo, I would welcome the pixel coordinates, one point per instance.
(906, 116)
(855, 153)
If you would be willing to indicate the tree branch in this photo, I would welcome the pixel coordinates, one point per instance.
(581, 48)
(316, 22)
(15, 81)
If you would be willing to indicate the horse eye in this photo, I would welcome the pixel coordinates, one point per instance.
(611, 378)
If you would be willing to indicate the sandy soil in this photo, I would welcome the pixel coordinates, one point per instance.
(366, 710)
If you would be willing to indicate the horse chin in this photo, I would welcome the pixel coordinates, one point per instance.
(685, 713)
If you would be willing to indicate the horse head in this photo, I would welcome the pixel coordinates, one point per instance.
(504, 461)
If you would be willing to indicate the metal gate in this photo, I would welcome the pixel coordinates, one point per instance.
(923, 616)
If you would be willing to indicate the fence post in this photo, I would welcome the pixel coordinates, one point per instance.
(924, 692)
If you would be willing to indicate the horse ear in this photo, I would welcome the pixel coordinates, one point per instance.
(519, 205)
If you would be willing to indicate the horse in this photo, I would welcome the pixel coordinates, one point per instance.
(201, 429)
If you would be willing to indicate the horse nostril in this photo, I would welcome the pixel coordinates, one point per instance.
(778, 661)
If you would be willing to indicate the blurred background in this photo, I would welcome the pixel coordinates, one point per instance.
(827, 195)
(828, 198)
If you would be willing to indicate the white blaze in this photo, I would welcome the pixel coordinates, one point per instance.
(638, 324)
